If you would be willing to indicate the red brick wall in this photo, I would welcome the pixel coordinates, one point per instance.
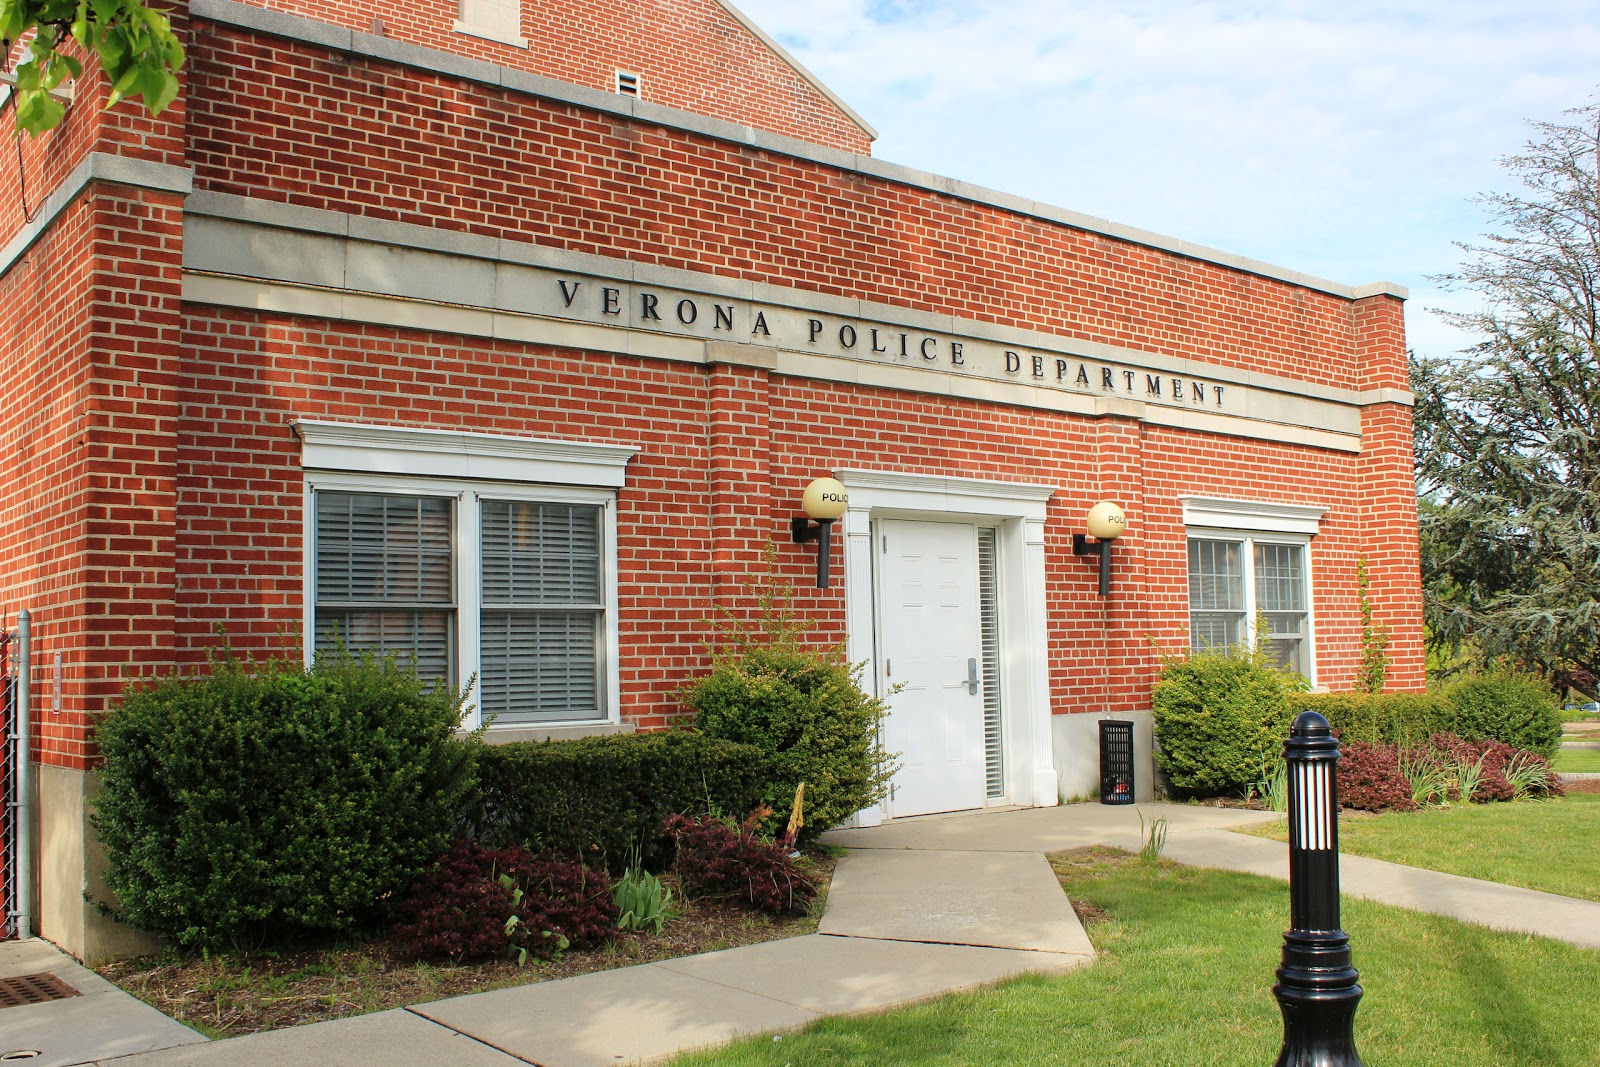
(755, 439)
(693, 55)
(86, 418)
(462, 158)
(155, 490)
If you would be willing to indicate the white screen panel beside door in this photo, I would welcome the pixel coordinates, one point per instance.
(930, 634)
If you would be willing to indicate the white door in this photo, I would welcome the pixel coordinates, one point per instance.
(932, 647)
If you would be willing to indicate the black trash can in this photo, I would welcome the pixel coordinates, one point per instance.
(1116, 762)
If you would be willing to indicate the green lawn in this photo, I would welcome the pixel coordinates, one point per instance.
(1551, 845)
(1578, 760)
(1185, 978)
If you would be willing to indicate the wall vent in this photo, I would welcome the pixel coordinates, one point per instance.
(629, 83)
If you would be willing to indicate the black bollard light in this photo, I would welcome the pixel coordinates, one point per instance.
(1317, 988)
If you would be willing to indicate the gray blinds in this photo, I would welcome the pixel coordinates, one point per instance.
(542, 612)
(383, 577)
(1216, 594)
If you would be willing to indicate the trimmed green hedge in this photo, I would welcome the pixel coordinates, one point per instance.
(599, 798)
(807, 710)
(260, 803)
(1220, 720)
(1381, 718)
(1501, 705)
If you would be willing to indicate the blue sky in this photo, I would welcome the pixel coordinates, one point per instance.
(1343, 140)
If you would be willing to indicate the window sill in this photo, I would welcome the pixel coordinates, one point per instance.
(513, 734)
(489, 33)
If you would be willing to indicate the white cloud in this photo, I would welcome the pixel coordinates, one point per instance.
(1345, 141)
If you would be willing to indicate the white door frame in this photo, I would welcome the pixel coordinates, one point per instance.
(1017, 511)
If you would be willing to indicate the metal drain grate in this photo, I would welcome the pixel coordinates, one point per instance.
(33, 989)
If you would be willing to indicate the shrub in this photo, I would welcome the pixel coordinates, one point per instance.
(257, 803)
(1506, 773)
(560, 896)
(1221, 719)
(717, 859)
(605, 798)
(463, 908)
(1379, 718)
(458, 909)
(1518, 709)
(806, 711)
(1369, 778)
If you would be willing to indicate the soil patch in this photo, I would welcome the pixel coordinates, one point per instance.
(235, 994)
(1094, 860)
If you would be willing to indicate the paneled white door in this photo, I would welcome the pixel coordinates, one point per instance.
(931, 642)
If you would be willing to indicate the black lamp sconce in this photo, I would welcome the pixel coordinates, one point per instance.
(824, 502)
(1106, 522)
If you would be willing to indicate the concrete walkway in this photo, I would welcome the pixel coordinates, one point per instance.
(919, 907)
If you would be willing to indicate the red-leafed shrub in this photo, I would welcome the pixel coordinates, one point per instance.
(1370, 779)
(563, 896)
(460, 909)
(716, 859)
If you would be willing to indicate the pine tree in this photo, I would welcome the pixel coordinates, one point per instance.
(1508, 463)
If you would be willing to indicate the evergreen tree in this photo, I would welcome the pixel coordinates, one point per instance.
(1508, 463)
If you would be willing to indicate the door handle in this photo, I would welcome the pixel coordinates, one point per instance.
(972, 677)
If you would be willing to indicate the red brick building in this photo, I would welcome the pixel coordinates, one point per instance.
(510, 334)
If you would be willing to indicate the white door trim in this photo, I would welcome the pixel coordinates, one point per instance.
(1018, 511)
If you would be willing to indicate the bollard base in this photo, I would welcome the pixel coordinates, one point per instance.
(1318, 992)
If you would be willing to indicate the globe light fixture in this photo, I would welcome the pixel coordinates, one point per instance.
(824, 502)
(1106, 522)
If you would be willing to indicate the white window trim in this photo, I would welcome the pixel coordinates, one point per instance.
(404, 450)
(1254, 516)
(348, 457)
(1248, 539)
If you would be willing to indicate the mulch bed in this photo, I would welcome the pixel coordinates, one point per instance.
(236, 994)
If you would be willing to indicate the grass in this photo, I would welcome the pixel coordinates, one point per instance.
(1577, 760)
(1185, 977)
(1537, 844)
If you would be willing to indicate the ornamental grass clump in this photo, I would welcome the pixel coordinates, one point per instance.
(259, 803)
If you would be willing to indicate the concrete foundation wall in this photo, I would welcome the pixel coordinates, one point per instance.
(1077, 753)
(70, 872)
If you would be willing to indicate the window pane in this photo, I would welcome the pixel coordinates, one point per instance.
(427, 635)
(1216, 576)
(540, 666)
(1216, 594)
(372, 548)
(1285, 638)
(383, 577)
(1280, 578)
(537, 553)
(1215, 630)
(541, 624)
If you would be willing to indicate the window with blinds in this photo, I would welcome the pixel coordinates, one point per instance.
(1216, 594)
(542, 612)
(384, 577)
(1281, 599)
(1233, 584)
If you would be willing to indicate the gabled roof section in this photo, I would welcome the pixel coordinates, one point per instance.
(800, 68)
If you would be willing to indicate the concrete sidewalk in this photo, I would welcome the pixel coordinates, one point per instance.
(918, 908)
